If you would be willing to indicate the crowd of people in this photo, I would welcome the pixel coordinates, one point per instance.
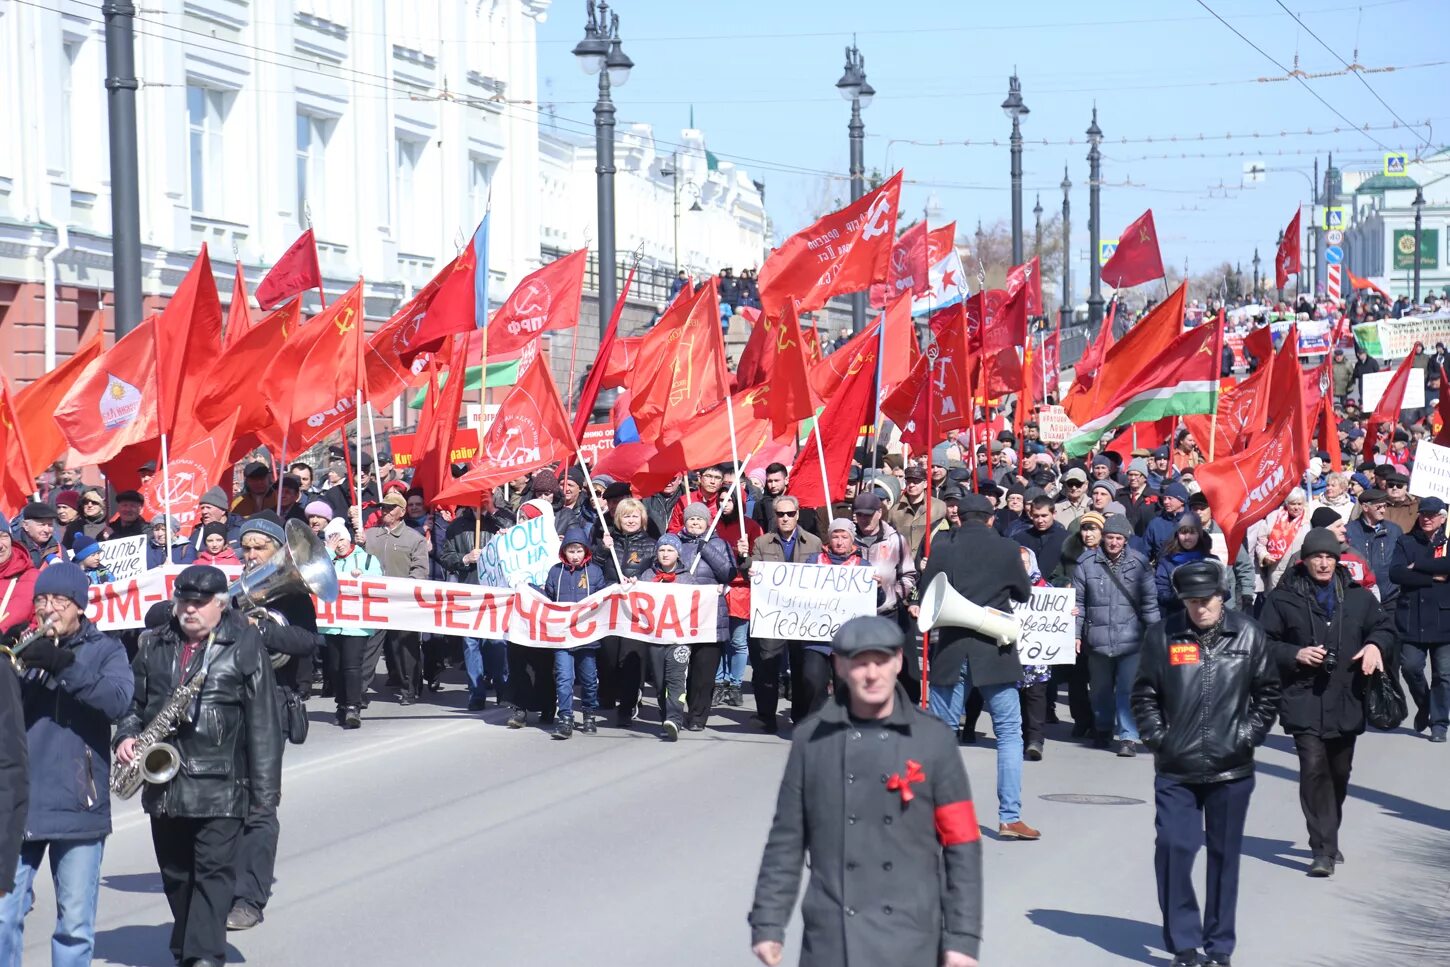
(1348, 579)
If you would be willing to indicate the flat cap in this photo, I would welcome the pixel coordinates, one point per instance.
(199, 582)
(868, 633)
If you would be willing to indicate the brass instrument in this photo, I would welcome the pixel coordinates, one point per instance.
(46, 630)
(157, 761)
(302, 566)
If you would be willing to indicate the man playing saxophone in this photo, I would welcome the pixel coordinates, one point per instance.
(230, 748)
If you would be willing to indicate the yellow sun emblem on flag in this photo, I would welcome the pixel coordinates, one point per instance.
(117, 391)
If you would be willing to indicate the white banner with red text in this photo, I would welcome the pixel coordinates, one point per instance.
(656, 613)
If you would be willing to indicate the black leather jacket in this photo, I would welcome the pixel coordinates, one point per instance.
(1203, 710)
(232, 754)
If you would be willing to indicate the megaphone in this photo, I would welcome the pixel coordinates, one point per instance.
(943, 607)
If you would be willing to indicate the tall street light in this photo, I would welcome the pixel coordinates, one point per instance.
(1016, 110)
(600, 53)
(1095, 229)
(1064, 311)
(853, 87)
(1297, 283)
(1037, 239)
(1418, 204)
(1256, 273)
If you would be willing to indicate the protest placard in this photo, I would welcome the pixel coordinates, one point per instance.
(1394, 338)
(522, 553)
(657, 613)
(1053, 425)
(807, 602)
(124, 557)
(1048, 628)
(1372, 387)
(1430, 476)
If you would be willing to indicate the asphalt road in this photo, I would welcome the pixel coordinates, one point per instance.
(435, 836)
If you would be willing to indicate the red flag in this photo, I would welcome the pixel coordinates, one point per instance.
(530, 431)
(189, 329)
(36, 405)
(394, 358)
(17, 478)
(433, 441)
(908, 406)
(192, 471)
(939, 242)
(811, 344)
(1028, 275)
(1243, 487)
(1049, 365)
(750, 370)
(603, 362)
(312, 385)
(1259, 343)
(1387, 410)
(1242, 412)
(899, 337)
(1442, 435)
(231, 387)
(1006, 324)
(1143, 344)
(294, 273)
(1137, 258)
(544, 300)
(1329, 434)
(1096, 351)
(239, 317)
(112, 404)
(790, 396)
(845, 251)
(827, 375)
(683, 371)
(623, 358)
(953, 388)
(839, 427)
(907, 271)
(1148, 436)
(1286, 260)
(1359, 282)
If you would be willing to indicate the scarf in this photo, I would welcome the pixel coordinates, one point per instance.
(1208, 638)
(1281, 536)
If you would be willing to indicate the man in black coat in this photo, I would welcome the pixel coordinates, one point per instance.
(1328, 635)
(895, 864)
(987, 570)
(1421, 568)
(232, 754)
(1205, 697)
(1044, 536)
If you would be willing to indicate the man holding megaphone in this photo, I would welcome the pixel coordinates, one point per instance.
(973, 576)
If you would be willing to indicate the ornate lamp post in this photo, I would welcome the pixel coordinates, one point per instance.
(1016, 110)
(1064, 312)
(1095, 228)
(853, 87)
(1418, 204)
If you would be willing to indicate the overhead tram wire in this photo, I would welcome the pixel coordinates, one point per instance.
(1354, 69)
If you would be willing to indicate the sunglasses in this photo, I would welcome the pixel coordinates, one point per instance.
(787, 513)
(91, 503)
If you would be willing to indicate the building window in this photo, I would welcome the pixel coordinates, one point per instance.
(206, 113)
(409, 157)
(70, 53)
(313, 134)
(480, 176)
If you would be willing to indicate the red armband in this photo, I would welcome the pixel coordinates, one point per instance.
(956, 823)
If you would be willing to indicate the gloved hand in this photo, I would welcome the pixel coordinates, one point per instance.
(46, 655)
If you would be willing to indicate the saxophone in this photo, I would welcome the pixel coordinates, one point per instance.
(155, 760)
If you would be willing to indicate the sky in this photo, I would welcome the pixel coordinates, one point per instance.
(760, 77)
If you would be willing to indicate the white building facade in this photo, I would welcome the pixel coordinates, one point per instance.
(1380, 242)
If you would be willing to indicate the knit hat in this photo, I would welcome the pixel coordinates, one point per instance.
(1323, 517)
(1188, 521)
(1176, 490)
(1093, 518)
(1118, 524)
(214, 530)
(83, 546)
(65, 579)
(1138, 465)
(216, 497)
(68, 498)
(1320, 540)
(842, 524)
(336, 527)
(544, 483)
(267, 524)
(670, 540)
(318, 508)
(699, 510)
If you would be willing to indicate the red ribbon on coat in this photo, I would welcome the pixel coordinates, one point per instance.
(902, 784)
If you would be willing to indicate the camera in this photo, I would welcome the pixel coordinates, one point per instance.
(1331, 658)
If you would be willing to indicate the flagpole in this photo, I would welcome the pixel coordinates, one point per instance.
(166, 494)
(735, 460)
(876, 388)
(926, 547)
(1213, 414)
(593, 498)
(719, 510)
(286, 431)
(821, 458)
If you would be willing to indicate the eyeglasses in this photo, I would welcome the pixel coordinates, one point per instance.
(787, 513)
(92, 503)
(53, 601)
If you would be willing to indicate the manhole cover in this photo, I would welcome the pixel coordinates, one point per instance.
(1088, 799)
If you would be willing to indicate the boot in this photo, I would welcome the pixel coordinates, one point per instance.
(565, 728)
(352, 718)
(733, 696)
(589, 727)
(518, 718)
(718, 698)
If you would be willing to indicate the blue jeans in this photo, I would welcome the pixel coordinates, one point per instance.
(1111, 685)
(734, 653)
(1432, 695)
(484, 658)
(1005, 708)
(75, 866)
(586, 660)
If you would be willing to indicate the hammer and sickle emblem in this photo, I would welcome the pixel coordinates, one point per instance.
(344, 321)
(1143, 235)
(876, 218)
(533, 300)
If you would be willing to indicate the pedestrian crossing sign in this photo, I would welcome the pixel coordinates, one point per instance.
(1397, 164)
(1106, 248)
(1333, 217)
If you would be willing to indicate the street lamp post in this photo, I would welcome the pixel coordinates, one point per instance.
(1037, 236)
(1016, 110)
(1256, 273)
(1064, 311)
(1095, 171)
(1281, 246)
(1418, 203)
(853, 87)
(600, 53)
